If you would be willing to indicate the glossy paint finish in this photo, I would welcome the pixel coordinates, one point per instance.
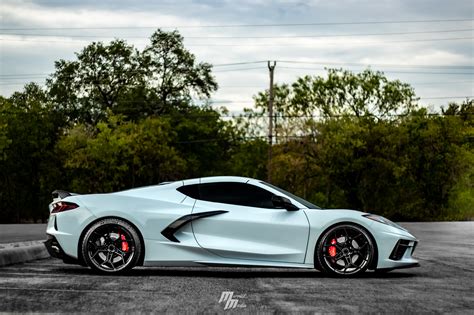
(240, 236)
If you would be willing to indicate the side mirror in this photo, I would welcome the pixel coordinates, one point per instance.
(283, 202)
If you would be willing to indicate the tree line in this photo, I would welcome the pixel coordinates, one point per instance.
(117, 117)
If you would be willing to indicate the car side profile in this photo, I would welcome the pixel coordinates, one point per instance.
(221, 221)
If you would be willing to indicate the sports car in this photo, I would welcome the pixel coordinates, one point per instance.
(220, 221)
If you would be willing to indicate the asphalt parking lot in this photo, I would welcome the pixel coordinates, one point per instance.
(10, 233)
(443, 284)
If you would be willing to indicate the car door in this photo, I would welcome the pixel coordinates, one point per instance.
(251, 227)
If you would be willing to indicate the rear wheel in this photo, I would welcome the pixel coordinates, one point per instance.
(345, 250)
(111, 245)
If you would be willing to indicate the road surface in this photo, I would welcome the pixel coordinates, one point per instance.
(443, 283)
(11, 233)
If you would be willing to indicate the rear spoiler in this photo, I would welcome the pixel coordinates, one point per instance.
(61, 194)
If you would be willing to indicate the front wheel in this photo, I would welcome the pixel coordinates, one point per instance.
(345, 250)
(111, 245)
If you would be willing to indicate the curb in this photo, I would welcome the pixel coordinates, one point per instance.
(22, 252)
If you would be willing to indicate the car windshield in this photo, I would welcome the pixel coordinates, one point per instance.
(305, 203)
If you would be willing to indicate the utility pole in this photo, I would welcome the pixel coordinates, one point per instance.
(271, 68)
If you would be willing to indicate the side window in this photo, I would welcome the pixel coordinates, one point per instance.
(236, 194)
(190, 191)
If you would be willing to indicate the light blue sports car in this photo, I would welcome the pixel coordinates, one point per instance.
(221, 221)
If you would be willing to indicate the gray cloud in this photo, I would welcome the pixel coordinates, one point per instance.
(21, 54)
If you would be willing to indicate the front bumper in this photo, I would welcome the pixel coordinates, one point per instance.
(395, 248)
(403, 248)
(401, 255)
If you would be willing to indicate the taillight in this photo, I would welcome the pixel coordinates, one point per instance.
(63, 206)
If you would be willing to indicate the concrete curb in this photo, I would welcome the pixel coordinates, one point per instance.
(15, 253)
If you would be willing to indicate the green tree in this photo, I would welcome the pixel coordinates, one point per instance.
(85, 88)
(248, 157)
(119, 154)
(340, 93)
(4, 140)
(29, 168)
(120, 78)
(358, 141)
(204, 140)
(173, 74)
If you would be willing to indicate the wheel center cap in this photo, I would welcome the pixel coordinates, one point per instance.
(345, 251)
(111, 248)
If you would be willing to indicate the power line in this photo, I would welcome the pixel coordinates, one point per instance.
(332, 43)
(253, 37)
(374, 65)
(238, 63)
(261, 115)
(445, 97)
(239, 69)
(390, 71)
(43, 75)
(6, 83)
(448, 82)
(79, 41)
(421, 98)
(240, 25)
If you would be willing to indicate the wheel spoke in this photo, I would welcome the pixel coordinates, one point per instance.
(365, 244)
(358, 235)
(109, 256)
(120, 254)
(347, 235)
(98, 251)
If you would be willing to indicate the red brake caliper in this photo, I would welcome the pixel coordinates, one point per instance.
(124, 243)
(332, 248)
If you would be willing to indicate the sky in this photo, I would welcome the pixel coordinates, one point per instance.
(428, 44)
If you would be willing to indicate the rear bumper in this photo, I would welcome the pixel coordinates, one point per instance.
(55, 250)
(66, 228)
(53, 247)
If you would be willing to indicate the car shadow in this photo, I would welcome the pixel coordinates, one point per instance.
(233, 272)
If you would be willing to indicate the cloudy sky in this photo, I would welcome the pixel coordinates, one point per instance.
(428, 44)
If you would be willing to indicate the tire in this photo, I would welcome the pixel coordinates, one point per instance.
(111, 245)
(344, 250)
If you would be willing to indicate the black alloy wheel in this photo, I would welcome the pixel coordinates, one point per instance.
(345, 250)
(111, 245)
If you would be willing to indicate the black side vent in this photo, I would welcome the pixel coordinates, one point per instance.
(399, 249)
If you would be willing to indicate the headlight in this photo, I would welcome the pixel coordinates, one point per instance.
(383, 220)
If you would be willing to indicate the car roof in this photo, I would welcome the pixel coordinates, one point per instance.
(217, 179)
